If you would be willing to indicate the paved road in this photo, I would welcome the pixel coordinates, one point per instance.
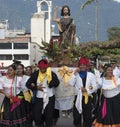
(65, 121)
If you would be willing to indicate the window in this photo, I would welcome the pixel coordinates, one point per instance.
(5, 57)
(21, 57)
(6, 45)
(20, 45)
(44, 6)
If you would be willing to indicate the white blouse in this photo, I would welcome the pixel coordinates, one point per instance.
(7, 85)
(110, 88)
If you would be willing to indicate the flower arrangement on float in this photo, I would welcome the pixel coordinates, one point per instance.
(58, 54)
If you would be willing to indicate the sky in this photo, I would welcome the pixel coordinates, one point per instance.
(19, 13)
(117, 0)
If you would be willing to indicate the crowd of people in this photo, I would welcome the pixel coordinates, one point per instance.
(31, 96)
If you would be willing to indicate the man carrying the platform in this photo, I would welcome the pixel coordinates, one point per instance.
(43, 82)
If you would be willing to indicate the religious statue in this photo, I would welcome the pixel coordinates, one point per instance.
(66, 26)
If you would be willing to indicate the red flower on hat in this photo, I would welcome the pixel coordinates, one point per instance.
(82, 61)
(43, 63)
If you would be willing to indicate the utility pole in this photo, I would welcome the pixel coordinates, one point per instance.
(96, 20)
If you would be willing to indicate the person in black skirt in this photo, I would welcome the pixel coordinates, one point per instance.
(108, 114)
(13, 112)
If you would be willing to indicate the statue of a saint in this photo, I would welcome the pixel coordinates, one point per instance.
(66, 26)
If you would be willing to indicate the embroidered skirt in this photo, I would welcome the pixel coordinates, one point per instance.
(109, 112)
(16, 118)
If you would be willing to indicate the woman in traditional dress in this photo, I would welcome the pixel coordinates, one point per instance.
(13, 113)
(26, 92)
(66, 26)
(109, 109)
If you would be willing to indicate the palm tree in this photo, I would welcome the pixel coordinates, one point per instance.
(96, 18)
(86, 3)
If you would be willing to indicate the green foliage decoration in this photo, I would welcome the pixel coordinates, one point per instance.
(89, 49)
(56, 52)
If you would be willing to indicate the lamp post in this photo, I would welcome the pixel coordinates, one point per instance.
(97, 57)
(34, 54)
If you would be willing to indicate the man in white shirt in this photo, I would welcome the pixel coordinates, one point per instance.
(43, 82)
(85, 86)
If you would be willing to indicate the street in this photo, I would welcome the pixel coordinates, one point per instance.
(66, 121)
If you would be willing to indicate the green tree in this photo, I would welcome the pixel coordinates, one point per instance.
(113, 33)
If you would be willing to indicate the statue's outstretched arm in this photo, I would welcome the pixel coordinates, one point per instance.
(56, 19)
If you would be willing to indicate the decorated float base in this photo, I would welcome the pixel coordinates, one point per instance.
(64, 93)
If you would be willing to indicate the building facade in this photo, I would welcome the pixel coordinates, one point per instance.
(19, 48)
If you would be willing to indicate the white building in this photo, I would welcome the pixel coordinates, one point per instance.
(41, 22)
(18, 48)
(17, 45)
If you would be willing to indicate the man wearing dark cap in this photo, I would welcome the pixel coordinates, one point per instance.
(43, 82)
